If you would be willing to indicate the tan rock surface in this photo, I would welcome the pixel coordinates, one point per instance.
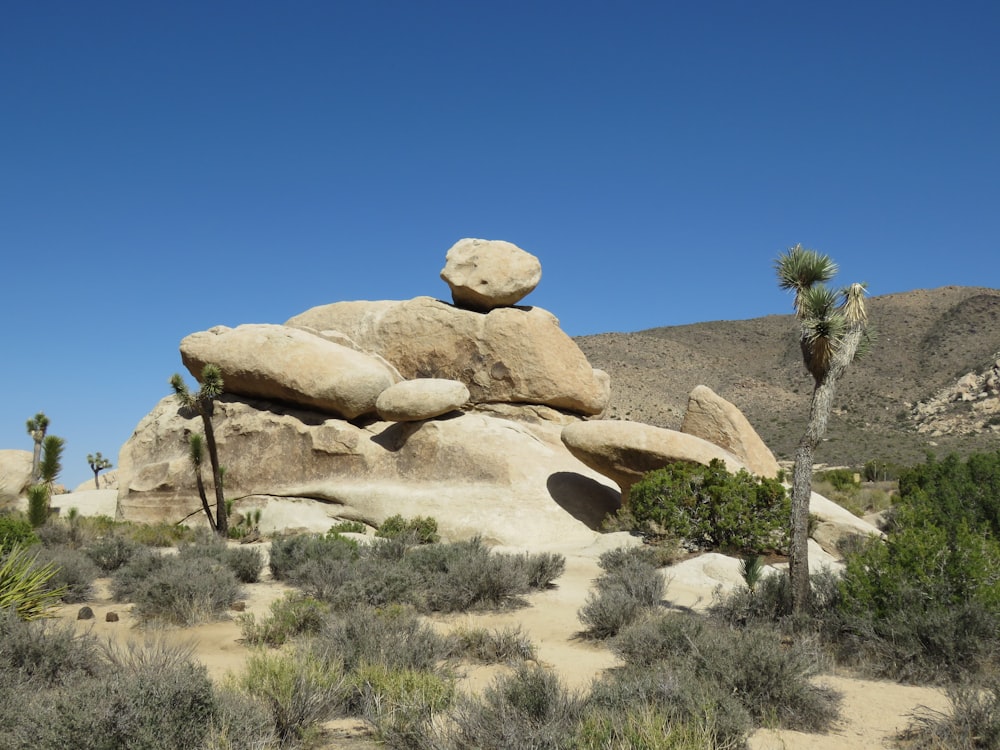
(509, 354)
(485, 274)
(15, 474)
(289, 365)
(624, 451)
(423, 398)
(712, 418)
(508, 480)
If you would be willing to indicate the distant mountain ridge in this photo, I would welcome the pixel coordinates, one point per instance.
(911, 393)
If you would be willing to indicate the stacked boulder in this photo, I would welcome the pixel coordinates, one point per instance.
(476, 412)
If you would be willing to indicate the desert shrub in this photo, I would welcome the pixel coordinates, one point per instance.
(25, 585)
(73, 572)
(645, 728)
(683, 699)
(492, 646)
(840, 479)
(955, 491)
(185, 590)
(299, 691)
(529, 708)
(629, 586)
(711, 508)
(347, 527)
(245, 562)
(110, 552)
(399, 703)
(769, 680)
(151, 696)
(159, 534)
(394, 637)
(290, 553)
(130, 577)
(423, 529)
(15, 529)
(241, 722)
(38, 504)
(292, 615)
(972, 724)
(44, 651)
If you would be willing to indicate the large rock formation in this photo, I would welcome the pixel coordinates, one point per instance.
(485, 274)
(363, 410)
(712, 418)
(510, 355)
(511, 481)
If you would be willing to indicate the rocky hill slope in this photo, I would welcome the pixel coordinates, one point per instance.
(930, 382)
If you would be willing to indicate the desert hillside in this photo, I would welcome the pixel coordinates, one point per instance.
(903, 398)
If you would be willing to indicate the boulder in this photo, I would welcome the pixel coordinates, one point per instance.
(290, 365)
(106, 480)
(15, 474)
(511, 481)
(712, 418)
(423, 398)
(835, 524)
(623, 451)
(514, 355)
(486, 274)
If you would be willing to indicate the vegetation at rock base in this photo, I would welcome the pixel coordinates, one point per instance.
(711, 508)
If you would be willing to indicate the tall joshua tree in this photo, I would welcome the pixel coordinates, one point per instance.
(203, 403)
(98, 463)
(37, 426)
(833, 326)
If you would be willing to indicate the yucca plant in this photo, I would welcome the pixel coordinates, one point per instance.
(24, 586)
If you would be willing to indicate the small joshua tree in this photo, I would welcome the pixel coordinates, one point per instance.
(833, 328)
(203, 403)
(37, 427)
(98, 463)
(40, 493)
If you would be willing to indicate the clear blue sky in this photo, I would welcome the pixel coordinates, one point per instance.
(167, 167)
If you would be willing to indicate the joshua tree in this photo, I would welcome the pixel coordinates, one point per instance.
(203, 402)
(40, 493)
(98, 463)
(37, 426)
(832, 327)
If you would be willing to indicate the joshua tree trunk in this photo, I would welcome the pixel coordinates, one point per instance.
(221, 519)
(819, 415)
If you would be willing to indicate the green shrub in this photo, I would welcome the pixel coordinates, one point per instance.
(684, 699)
(16, 530)
(74, 572)
(159, 534)
(840, 479)
(972, 723)
(292, 615)
(492, 646)
(347, 527)
(109, 553)
(629, 586)
(769, 680)
(529, 708)
(711, 508)
(299, 691)
(38, 504)
(241, 722)
(394, 637)
(399, 703)
(245, 562)
(290, 553)
(645, 728)
(184, 591)
(423, 529)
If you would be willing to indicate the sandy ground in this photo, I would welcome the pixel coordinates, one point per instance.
(871, 712)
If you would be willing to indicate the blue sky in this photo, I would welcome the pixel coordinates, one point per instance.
(169, 167)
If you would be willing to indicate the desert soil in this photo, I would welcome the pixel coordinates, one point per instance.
(872, 712)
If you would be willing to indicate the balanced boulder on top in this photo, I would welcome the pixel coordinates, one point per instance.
(485, 274)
